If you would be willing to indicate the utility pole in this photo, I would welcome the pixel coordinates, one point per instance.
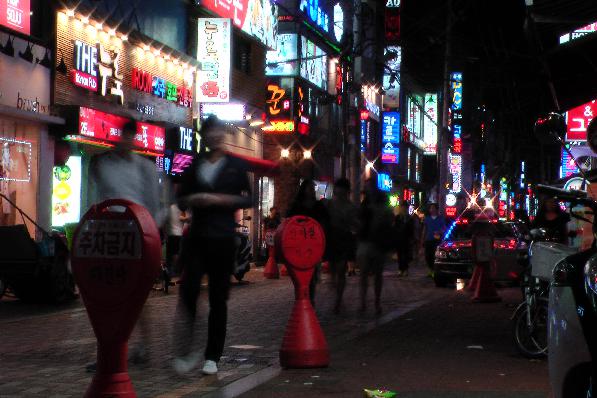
(442, 137)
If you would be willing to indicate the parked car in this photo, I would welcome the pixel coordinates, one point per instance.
(453, 257)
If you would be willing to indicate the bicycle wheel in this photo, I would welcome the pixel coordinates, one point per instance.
(531, 341)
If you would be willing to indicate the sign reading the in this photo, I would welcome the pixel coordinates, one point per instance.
(16, 15)
(213, 54)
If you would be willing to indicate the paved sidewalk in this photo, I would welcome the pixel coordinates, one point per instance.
(43, 352)
(449, 348)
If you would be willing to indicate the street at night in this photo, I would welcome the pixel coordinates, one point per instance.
(298, 198)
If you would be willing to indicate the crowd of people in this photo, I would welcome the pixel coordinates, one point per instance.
(199, 229)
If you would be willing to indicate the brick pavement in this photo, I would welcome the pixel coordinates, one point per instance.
(45, 355)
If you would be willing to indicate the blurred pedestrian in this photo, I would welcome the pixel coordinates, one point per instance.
(272, 221)
(342, 236)
(553, 220)
(122, 174)
(306, 204)
(403, 224)
(376, 240)
(174, 226)
(214, 186)
(416, 236)
(434, 226)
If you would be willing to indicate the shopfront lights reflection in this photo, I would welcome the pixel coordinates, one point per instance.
(307, 154)
(285, 153)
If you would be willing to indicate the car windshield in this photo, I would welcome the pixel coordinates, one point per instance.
(464, 231)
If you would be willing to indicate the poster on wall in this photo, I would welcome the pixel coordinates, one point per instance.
(391, 78)
(16, 15)
(213, 54)
(258, 18)
(15, 163)
(276, 60)
(66, 192)
(313, 63)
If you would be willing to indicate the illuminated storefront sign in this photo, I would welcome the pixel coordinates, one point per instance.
(226, 112)
(185, 142)
(390, 137)
(430, 124)
(283, 61)
(159, 87)
(258, 18)
(318, 16)
(278, 101)
(66, 192)
(213, 54)
(578, 120)
(313, 64)
(363, 135)
(372, 101)
(568, 166)
(455, 165)
(456, 84)
(280, 126)
(392, 3)
(580, 32)
(108, 128)
(16, 15)
(384, 182)
(338, 22)
(391, 77)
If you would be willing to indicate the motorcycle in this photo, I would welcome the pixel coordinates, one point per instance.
(244, 254)
(529, 321)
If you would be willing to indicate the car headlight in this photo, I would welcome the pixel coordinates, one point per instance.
(442, 254)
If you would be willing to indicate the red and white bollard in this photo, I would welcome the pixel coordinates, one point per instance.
(270, 271)
(484, 290)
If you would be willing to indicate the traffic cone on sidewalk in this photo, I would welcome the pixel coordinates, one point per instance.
(270, 271)
(485, 290)
(474, 281)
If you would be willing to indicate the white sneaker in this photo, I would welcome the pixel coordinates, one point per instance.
(210, 368)
(183, 365)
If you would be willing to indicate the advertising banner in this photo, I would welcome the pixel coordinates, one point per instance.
(287, 49)
(313, 64)
(258, 18)
(15, 15)
(391, 77)
(213, 54)
(578, 120)
(66, 192)
(430, 124)
(107, 127)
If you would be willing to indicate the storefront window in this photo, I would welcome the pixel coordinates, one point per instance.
(19, 147)
(266, 187)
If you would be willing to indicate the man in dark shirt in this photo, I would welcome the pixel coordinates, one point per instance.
(215, 186)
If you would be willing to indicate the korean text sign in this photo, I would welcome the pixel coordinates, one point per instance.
(213, 54)
(15, 14)
(390, 137)
(578, 120)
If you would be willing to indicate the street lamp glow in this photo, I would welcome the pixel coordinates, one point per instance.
(285, 153)
(307, 154)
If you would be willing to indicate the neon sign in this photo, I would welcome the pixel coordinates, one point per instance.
(384, 182)
(16, 15)
(390, 137)
(280, 126)
(578, 33)
(213, 53)
(315, 13)
(456, 83)
(338, 21)
(578, 120)
(363, 135)
(430, 124)
(147, 83)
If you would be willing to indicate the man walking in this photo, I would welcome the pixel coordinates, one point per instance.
(434, 227)
(404, 232)
(215, 186)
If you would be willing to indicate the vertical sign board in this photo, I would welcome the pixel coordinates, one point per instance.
(283, 61)
(384, 182)
(455, 155)
(213, 54)
(568, 166)
(391, 77)
(66, 192)
(16, 15)
(430, 124)
(578, 120)
(390, 137)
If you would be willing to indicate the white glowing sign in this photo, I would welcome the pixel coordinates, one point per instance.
(455, 165)
(226, 112)
(580, 32)
(338, 21)
(313, 64)
(283, 61)
(430, 123)
(66, 192)
(213, 54)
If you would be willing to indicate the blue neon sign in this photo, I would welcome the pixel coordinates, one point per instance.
(390, 138)
(315, 13)
(384, 182)
(456, 84)
(363, 135)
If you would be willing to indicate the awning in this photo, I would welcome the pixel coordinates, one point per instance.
(259, 166)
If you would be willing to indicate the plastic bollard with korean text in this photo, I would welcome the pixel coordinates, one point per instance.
(115, 259)
(270, 271)
(300, 243)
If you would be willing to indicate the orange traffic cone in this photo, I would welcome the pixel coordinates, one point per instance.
(271, 267)
(485, 290)
(283, 270)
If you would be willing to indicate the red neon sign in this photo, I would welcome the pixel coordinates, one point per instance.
(16, 15)
(388, 158)
(451, 211)
(578, 121)
(457, 145)
(84, 80)
(280, 126)
(107, 127)
(364, 115)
